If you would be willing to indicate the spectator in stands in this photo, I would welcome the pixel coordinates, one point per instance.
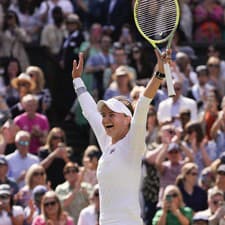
(35, 176)
(140, 61)
(216, 210)
(199, 219)
(41, 91)
(186, 75)
(169, 169)
(90, 162)
(71, 45)
(72, 193)
(24, 85)
(213, 65)
(90, 214)
(210, 113)
(193, 195)
(126, 37)
(220, 178)
(9, 212)
(195, 139)
(47, 7)
(52, 36)
(170, 108)
(114, 16)
(54, 156)
(8, 131)
(120, 58)
(173, 210)
(28, 15)
(35, 123)
(218, 129)
(12, 70)
(13, 39)
(4, 178)
(52, 211)
(21, 160)
(200, 89)
(97, 63)
(207, 178)
(152, 128)
(215, 50)
(208, 21)
(123, 82)
(33, 208)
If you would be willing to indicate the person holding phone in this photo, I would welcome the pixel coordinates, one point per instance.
(173, 210)
(121, 135)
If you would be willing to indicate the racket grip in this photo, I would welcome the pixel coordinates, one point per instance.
(169, 81)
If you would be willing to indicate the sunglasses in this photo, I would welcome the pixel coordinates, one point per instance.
(4, 197)
(170, 196)
(71, 170)
(177, 88)
(193, 174)
(217, 202)
(170, 131)
(35, 174)
(24, 143)
(58, 138)
(52, 203)
(23, 84)
(214, 65)
(222, 173)
(173, 152)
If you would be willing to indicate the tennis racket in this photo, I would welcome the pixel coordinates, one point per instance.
(157, 21)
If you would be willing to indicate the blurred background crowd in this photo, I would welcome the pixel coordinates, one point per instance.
(48, 153)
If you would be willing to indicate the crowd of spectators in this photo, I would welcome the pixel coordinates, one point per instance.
(41, 182)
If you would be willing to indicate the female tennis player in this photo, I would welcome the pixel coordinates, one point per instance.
(121, 137)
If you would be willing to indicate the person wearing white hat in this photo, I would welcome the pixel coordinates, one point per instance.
(121, 136)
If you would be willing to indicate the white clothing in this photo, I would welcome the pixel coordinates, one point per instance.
(17, 164)
(87, 216)
(166, 109)
(119, 168)
(6, 220)
(49, 5)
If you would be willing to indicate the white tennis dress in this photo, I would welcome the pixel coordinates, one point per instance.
(119, 169)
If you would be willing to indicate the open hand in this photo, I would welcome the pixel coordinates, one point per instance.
(78, 68)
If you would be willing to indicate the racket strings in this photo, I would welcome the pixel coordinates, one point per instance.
(156, 20)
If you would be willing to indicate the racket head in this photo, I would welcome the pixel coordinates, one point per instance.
(156, 20)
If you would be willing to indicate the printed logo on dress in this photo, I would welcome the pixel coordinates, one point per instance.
(112, 150)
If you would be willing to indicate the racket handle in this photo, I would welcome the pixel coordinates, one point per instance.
(169, 80)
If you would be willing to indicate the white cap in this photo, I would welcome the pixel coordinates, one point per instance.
(115, 105)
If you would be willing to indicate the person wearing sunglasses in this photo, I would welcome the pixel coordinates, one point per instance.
(52, 212)
(90, 214)
(73, 193)
(193, 195)
(54, 156)
(171, 155)
(35, 176)
(216, 207)
(20, 160)
(10, 214)
(173, 210)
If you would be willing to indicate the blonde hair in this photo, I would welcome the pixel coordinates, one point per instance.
(40, 79)
(30, 172)
(187, 168)
(51, 194)
(175, 189)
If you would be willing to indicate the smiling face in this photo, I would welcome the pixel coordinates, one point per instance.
(116, 124)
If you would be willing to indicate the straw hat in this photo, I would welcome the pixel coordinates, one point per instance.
(123, 70)
(23, 77)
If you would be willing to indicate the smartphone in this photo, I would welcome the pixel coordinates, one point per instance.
(168, 198)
